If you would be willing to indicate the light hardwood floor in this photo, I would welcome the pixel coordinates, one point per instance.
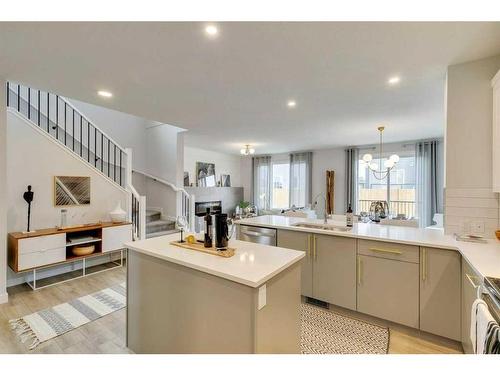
(107, 334)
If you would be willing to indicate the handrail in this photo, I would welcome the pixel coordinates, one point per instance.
(164, 182)
(68, 102)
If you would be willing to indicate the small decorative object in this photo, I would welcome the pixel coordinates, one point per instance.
(71, 191)
(186, 178)
(330, 192)
(378, 210)
(28, 197)
(118, 215)
(83, 250)
(225, 180)
(497, 233)
(64, 218)
(181, 224)
(205, 174)
(218, 183)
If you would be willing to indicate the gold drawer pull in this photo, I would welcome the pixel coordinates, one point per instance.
(397, 252)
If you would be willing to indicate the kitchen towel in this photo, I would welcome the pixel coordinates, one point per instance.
(480, 319)
(492, 342)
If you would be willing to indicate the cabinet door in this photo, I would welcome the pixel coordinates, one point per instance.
(388, 289)
(300, 241)
(113, 238)
(470, 283)
(334, 270)
(440, 293)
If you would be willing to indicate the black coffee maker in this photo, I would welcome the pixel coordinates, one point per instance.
(221, 232)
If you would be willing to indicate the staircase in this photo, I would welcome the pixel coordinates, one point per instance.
(156, 227)
(58, 119)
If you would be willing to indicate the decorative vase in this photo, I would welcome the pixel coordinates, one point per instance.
(118, 215)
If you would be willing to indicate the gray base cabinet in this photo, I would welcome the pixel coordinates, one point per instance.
(329, 268)
(334, 270)
(388, 289)
(470, 283)
(440, 292)
(303, 242)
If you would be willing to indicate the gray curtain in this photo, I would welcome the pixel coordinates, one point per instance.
(261, 184)
(429, 187)
(351, 169)
(300, 179)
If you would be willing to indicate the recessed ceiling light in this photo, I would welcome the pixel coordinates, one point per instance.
(211, 30)
(105, 94)
(291, 104)
(394, 80)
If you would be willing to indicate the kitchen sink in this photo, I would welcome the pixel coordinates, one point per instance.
(332, 227)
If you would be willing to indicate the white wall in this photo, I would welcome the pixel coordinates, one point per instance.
(224, 164)
(34, 159)
(126, 130)
(468, 147)
(3, 194)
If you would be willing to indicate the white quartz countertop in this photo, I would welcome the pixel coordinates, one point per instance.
(484, 258)
(252, 265)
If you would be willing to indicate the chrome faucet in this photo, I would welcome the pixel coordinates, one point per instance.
(325, 216)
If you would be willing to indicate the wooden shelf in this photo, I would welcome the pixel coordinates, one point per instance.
(76, 243)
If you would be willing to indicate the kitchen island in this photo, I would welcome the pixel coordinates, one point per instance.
(185, 301)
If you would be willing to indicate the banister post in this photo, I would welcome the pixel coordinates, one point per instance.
(192, 218)
(142, 217)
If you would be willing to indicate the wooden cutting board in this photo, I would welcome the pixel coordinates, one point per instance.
(198, 246)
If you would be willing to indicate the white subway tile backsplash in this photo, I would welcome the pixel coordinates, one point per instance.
(464, 207)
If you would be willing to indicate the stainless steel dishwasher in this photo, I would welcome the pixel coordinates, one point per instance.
(264, 236)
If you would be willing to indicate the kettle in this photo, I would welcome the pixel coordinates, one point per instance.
(378, 210)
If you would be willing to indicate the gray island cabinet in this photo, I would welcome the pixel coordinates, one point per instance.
(185, 301)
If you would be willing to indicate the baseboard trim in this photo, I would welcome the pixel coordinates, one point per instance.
(4, 298)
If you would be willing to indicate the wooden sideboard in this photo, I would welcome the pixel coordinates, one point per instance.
(49, 247)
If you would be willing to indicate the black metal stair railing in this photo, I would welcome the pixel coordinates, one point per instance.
(62, 121)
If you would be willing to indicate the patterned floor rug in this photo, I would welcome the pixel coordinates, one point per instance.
(57, 320)
(325, 332)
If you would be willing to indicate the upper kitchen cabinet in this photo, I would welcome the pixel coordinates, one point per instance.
(496, 133)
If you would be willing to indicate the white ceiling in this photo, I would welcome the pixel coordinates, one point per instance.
(233, 89)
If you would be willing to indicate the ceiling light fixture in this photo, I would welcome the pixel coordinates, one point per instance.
(105, 94)
(247, 150)
(378, 172)
(291, 104)
(211, 30)
(393, 80)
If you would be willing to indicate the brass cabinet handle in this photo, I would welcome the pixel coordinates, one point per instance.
(314, 247)
(358, 269)
(424, 264)
(397, 252)
(309, 237)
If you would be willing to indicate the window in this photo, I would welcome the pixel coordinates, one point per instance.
(398, 188)
(282, 181)
(280, 185)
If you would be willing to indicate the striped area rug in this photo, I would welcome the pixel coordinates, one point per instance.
(57, 320)
(325, 332)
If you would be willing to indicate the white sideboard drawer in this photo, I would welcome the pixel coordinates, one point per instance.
(41, 243)
(113, 238)
(41, 258)
(389, 250)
